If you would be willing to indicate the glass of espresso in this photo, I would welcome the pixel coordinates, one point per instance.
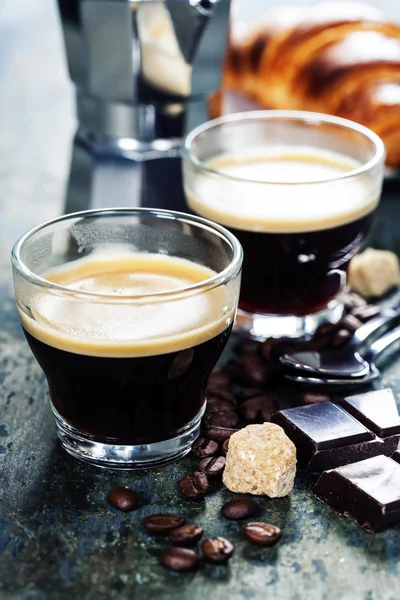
(127, 312)
(299, 191)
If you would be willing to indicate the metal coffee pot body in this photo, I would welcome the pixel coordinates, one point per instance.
(143, 72)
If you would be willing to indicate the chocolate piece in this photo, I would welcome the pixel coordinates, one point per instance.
(326, 436)
(368, 491)
(376, 410)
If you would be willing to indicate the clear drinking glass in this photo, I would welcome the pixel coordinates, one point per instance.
(299, 191)
(127, 312)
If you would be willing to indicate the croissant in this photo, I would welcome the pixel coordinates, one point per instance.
(339, 58)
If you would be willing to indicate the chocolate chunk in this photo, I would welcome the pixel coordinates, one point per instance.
(203, 447)
(217, 550)
(248, 392)
(219, 434)
(240, 508)
(181, 560)
(377, 411)
(213, 467)
(350, 322)
(162, 524)
(326, 436)
(365, 313)
(123, 499)
(194, 486)
(221, 419)
(353, 300)
(313, 398)
(262, 534)
(258, 410)
(187, 535)
(368, 491)
(224, 449)
(219, 379)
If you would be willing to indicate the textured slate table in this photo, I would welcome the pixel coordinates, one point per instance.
(58, 538)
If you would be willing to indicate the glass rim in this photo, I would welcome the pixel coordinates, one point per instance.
(216, 280)
(288, 115)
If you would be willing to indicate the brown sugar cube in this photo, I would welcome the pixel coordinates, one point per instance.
(261, 460)
(374, 272)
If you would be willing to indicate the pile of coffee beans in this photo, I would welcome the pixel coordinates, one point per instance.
(236, 397)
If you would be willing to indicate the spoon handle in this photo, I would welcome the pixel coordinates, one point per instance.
(384, 320)
(384, 343)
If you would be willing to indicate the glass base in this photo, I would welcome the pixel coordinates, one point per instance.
(142, 456)
(260, 327)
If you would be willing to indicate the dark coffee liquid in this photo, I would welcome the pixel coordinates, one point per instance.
(296, 273)
(129, 400)
(131, 372)
(299, 218)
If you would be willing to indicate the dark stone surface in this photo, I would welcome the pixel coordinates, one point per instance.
(59, 539)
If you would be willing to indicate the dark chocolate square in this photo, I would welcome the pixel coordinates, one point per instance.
(326, 436)
(376, 410)
(368, 491)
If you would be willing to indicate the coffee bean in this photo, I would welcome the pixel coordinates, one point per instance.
(181, 560)
(350, 322)
(222, 394)
(314, 398)
(258, 410)
(365, 313)
(215, 405)
(123, 498)
(224, 447)
(352, 300)
(194, 486)
(203, 447)
(221, 419)
(217, 550)
(262, 534)
(340, 338)
(247, 393)
(187, 535)
(213, 467)
(162, 524)
(241, 508)
(219, 379)
(219, 434)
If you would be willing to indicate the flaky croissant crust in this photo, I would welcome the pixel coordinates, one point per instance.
(336, 57)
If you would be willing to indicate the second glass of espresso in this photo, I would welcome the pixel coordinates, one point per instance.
(127, 312)
(299, 191)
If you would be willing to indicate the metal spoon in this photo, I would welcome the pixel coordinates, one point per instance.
(374, 354)
(345, 362)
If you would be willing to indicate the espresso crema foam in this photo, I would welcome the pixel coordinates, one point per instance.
(289, 203)
(128, 329)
